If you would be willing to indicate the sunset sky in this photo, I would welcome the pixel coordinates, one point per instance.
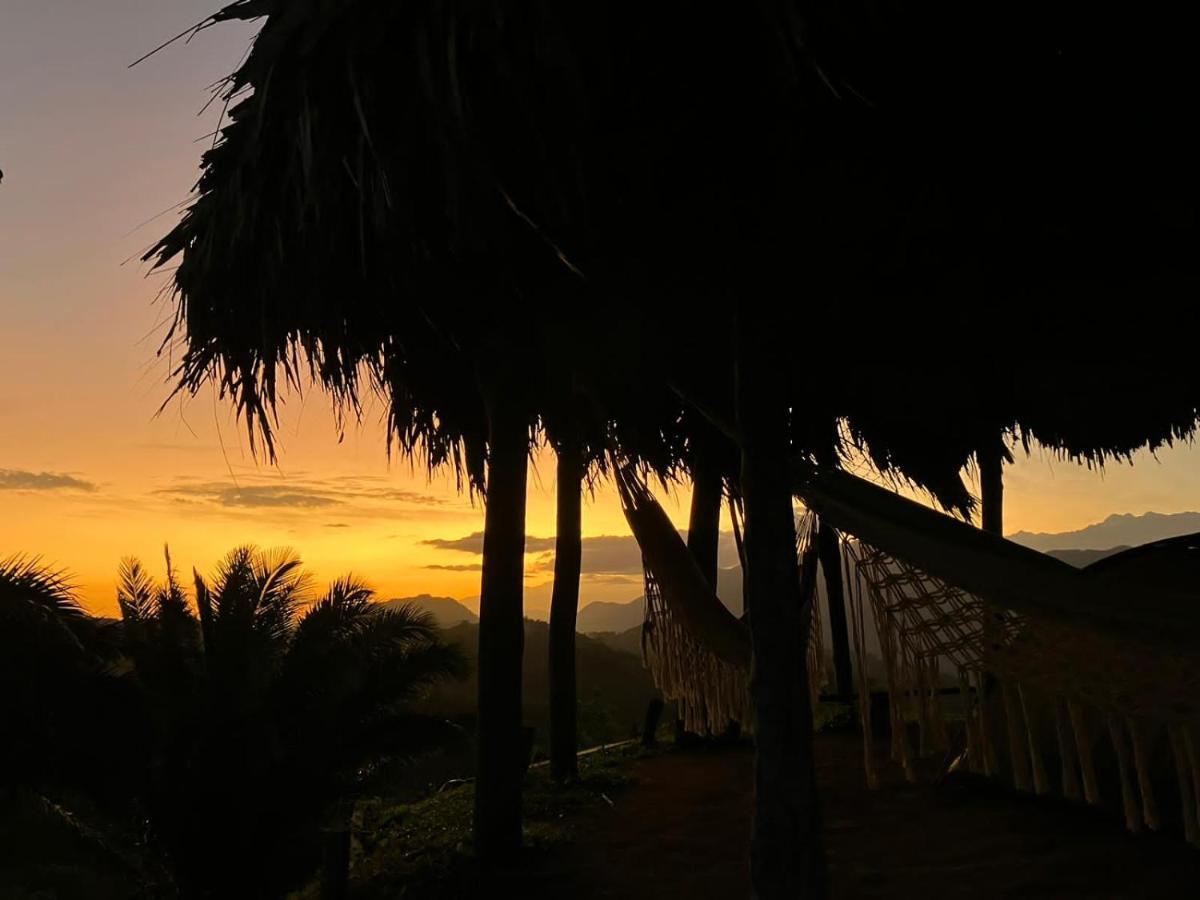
(92, 152)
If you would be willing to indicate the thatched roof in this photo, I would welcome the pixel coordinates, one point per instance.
(928, 201)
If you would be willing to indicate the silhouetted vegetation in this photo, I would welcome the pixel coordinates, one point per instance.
(233, 725)
(613, 687)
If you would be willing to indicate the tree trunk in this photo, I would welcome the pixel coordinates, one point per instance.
(786, 859)
(704, 532)
(990, 459)
(830, 552)
(704, 519)
(564, 605)
(499, 765)
(991, 487)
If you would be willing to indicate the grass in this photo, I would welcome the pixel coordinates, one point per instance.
(423, 849)
(832, 716)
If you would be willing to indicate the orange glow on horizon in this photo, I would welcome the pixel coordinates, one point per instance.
(89, 473)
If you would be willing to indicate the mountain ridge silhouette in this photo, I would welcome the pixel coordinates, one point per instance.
(1117, 530)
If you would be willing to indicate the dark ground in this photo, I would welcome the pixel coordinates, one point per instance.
(681, 831)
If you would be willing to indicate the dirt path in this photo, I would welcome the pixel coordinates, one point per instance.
(682, 831)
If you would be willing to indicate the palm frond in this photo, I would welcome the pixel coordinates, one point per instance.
(406, 655)
(172, 600)
(41, 584)
(405, 624)
(343, 610)
(234, 591)
(282, 587)
(137, 593)
(349, 592)
(39, 607)
(204, 607)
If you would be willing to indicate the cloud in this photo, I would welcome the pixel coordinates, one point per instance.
(253, 496)
(471, 543)
(18, 480)
(367, 487)
(336, 525)
(615, 555)
(462, 567)
(352, 495)
(602, 578)
(612, 554)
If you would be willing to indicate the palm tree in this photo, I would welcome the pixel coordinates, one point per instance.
(62, 686)
(786, 855)
(709, 466)
(269, 712)
(564, 606)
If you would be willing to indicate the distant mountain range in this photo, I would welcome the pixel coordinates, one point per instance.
(1118, 530)
(446, 611)
(604, 617)
(618, 623)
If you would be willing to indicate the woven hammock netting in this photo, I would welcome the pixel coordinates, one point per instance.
(710, 693)
(1048, 708)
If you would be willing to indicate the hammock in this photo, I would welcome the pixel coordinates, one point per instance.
(1056, 664)
(697, 651)
(1083, 663)
(1059, 692)
(711, 693)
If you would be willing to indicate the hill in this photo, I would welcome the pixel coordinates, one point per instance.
(612, 686)
(627, 641)
(607, 617)
(1081, 558)
(446, 611)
